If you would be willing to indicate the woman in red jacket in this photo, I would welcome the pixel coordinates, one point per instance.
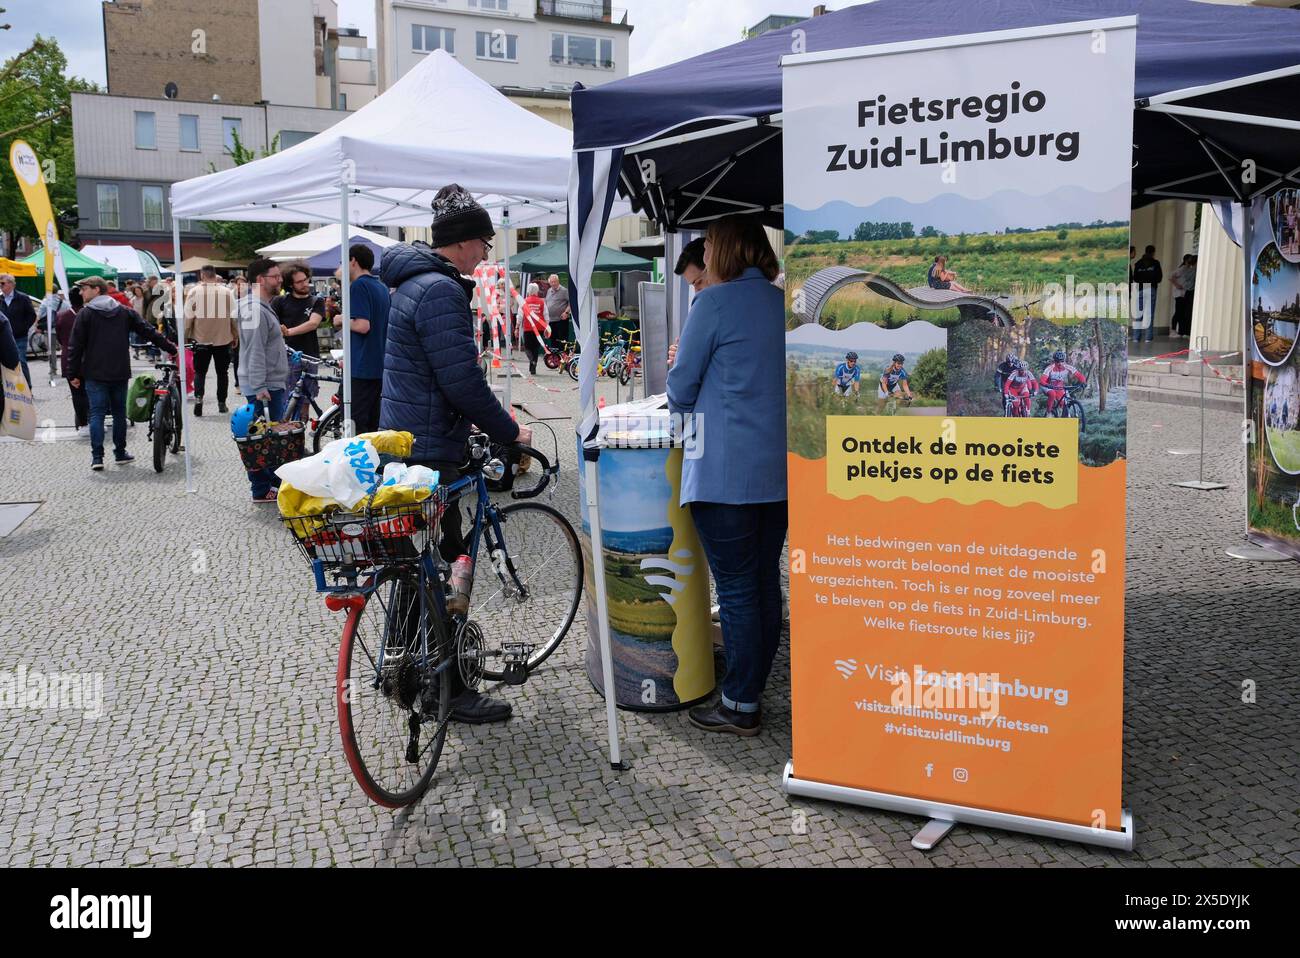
(534, 325)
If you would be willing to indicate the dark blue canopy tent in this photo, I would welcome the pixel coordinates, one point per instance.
(1216, 87)
(719, 151)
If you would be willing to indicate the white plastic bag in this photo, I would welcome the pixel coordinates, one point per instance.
(347, 471)
(416, 477)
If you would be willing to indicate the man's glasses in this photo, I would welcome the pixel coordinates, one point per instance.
(487, 246)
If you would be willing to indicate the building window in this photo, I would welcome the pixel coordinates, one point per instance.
(579, 51)
(427, 39)
(151, 200)
(144, 131)
(109, 208)
(529, 238)
(498, 46)
(290, 138)
(232, 129)
(343, 105)
(189, 133)
(490, 4)
(554, 233)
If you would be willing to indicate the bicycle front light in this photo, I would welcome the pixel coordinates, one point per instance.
(495, 470)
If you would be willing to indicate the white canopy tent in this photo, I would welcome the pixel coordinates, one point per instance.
(383, 165)
(317, 241)
(127, 260)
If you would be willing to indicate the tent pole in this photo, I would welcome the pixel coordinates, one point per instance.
(178, 288)
(345, 281)
(510, 341)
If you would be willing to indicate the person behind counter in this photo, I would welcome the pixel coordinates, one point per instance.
(729, 379)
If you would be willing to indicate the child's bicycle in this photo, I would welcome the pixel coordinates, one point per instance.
(561, 358)
(400, 643)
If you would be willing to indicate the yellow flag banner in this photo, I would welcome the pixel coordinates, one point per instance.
(31, 180)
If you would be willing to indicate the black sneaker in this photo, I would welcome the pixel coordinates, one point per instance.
(719, 718)
(473, 708)
(221, 408)
(198, 408)
(97, 465)
(123, 458)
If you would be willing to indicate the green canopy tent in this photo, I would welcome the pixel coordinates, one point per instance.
(554, 258)
(77, 265)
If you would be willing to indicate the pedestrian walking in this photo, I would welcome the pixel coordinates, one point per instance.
(63, 325)
(99, 358)
(533, 317)
(210, 320)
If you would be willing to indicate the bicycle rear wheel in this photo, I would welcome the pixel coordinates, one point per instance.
(572, 368)
(328, 429)
(532, 603)
(161, 428)
(393, 711)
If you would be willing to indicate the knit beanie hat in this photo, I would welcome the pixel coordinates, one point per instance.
(458, 217)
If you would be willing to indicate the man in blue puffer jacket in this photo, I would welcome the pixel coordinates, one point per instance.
(433, 385)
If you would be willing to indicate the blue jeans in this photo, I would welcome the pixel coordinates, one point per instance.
(743, 546)
(106, 399)
(21, 342)
(1147, 314)
(263, 480)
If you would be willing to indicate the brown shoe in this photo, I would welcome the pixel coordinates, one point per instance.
(719, 718)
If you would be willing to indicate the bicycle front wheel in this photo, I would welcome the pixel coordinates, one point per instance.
(572, 368)
(178, 427)
(526, 599)
(393, 706)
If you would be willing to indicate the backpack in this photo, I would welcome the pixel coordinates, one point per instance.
(139, 398)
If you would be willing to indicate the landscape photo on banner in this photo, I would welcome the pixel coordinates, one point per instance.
(957, 220)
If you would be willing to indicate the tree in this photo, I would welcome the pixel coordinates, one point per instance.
(930, 375)
(36, 106)
(242, 240)
(790, 237)
(929, 232)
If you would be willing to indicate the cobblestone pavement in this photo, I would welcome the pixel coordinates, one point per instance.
(218, 742)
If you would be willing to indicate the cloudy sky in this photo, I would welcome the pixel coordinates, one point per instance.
(666, 30)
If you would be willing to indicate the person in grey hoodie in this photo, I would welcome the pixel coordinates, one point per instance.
(99, 358)
(263, 359)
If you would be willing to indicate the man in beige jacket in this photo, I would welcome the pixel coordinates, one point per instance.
(210, 318)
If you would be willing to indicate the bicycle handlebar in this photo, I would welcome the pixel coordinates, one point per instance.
(549, 472)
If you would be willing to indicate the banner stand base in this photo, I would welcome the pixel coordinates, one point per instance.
(943, 813)
(1201, 485)
(931, 834)
(1254, 553)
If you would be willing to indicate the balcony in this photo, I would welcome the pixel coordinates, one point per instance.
(599, 12)
(589, 64)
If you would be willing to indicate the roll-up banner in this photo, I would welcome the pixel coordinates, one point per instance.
(1273, 373)
(955, 380)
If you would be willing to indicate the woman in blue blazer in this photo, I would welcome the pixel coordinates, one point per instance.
(728, 382)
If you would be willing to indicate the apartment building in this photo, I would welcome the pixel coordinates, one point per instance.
(533, 51)
(129, 150)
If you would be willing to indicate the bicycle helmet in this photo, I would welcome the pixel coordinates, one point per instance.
(852, 357)
(900, 358)
(242, 419)
(1058, 356)
(1019, 364)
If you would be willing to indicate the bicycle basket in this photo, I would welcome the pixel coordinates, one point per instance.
(277, 444)
(396, 535)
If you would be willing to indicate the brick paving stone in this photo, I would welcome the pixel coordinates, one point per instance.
(218, 666)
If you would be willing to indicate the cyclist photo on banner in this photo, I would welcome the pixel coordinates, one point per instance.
(1057, 378)
(1018, 390)
(894, 382)
(848, 377)
(1005, 369)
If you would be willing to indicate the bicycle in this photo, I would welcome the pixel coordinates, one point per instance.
(399, 642)
(1069, 407)
(301, 405)
(891, 404)
(165, 422)
(559, 358)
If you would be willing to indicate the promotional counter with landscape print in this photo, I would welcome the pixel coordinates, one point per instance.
(656, 579)
(956, 426)
(1273, 373)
